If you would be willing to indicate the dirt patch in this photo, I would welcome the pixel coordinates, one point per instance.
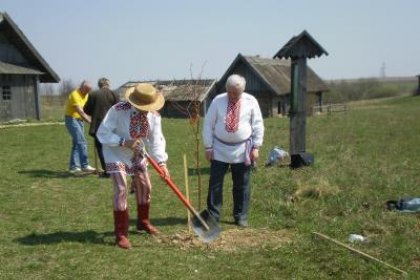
(231, 240)
(415, 263)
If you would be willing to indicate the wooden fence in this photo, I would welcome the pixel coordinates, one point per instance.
(329, 108)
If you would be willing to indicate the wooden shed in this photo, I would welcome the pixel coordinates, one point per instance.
(22, 68)
(183, 98)
(269, 81)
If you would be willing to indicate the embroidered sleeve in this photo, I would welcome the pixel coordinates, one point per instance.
(155, 141)
(257, 124)
(106, 130)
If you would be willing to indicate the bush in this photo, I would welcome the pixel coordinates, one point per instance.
(352, 90)
(383, 91)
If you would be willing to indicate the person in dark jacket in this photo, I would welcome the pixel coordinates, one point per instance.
(97, 106)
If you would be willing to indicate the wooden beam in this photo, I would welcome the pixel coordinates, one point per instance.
(369, 257)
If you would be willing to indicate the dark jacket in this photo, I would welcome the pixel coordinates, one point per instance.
(97, 106)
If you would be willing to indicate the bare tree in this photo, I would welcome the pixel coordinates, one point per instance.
(65, 87)
(192, 111)
(46, 90)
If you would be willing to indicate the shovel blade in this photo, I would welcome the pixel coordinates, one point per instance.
(206, 235)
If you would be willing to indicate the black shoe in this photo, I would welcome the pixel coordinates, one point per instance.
(104, 175)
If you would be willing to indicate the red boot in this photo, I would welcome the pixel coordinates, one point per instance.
(143, 222)
(121, 229)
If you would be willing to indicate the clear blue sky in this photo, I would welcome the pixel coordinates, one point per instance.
(137, 40)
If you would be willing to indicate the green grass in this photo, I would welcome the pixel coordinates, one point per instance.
(56, 226)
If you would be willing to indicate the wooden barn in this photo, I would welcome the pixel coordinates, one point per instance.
(269, 81)
(183, 98)
(22, 68)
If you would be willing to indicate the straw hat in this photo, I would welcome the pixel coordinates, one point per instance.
(144, 97)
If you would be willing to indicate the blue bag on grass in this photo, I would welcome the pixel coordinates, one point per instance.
(407, 205)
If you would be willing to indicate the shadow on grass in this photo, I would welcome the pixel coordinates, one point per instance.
(89, 236)
(44, 173)
(170, 221)
(203, 171)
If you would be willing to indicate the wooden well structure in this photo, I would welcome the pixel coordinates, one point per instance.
(299, 49)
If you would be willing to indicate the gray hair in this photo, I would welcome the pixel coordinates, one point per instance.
(85, 85)
(237, 81)
(103, 82)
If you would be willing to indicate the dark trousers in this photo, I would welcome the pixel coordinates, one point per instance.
(240, 191)
(98, 146)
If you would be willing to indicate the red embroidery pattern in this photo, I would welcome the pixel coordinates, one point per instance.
(123, 106)
(232, 116)
(122, 167)
(117, 167)
(139, 125)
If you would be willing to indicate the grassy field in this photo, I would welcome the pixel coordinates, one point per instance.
(57, 226)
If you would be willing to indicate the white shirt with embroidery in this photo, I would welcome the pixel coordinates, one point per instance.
(227, 146)
(117, 124)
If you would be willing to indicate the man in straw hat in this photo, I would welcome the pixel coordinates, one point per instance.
(127, 129)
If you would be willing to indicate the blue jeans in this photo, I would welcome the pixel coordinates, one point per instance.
(78, 154)
(240, 191)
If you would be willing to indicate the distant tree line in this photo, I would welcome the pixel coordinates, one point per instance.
(341, 91)
(56, 93)
(351, 90)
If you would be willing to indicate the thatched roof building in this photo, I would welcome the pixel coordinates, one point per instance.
(22, 68)
(269, 81)
(181, 96)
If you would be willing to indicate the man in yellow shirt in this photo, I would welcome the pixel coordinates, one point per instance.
(74, 118)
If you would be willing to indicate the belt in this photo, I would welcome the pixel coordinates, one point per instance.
(248, 148)
(78, 119)
(230, 143)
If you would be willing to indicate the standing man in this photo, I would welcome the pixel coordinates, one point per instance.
(127, 129)
(232, 134)
(74, 118)
(96, 107)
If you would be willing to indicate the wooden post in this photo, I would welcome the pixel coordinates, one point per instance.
(298, 49)
(37, 98)
(298, 107)
(320, 96)
(187, 192)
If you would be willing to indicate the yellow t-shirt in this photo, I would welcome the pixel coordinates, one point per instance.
(75, 99)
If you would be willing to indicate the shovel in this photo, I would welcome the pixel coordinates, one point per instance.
(203, 224)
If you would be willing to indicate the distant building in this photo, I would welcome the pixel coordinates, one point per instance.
(269, 81)
(183, 98)
(22, 68)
